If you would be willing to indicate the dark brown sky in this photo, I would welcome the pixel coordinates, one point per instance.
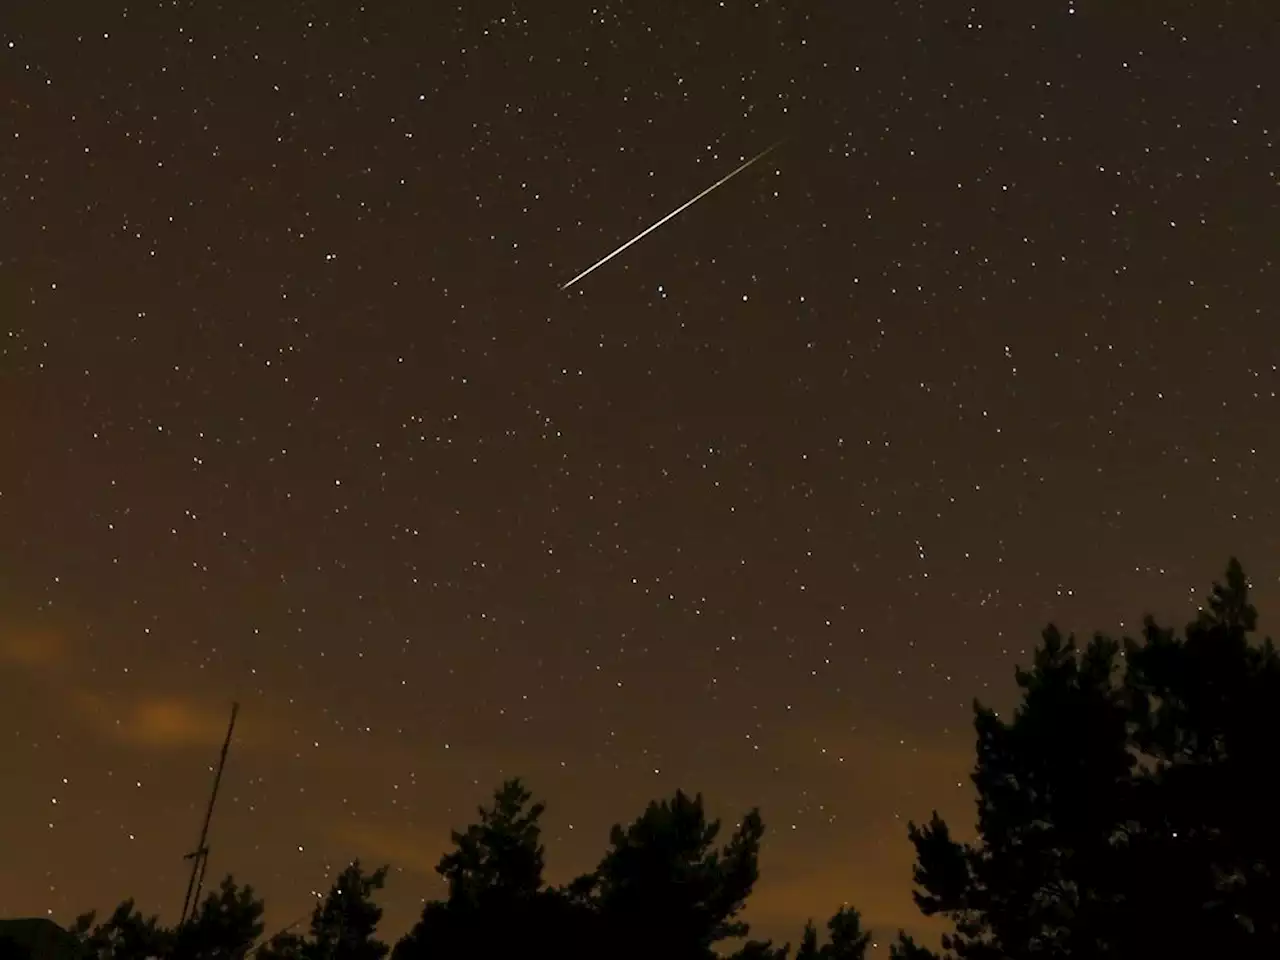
(293, 412)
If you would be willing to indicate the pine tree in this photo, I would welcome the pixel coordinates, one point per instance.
(846, 938)
(497, 904)
(125, 935)
(343, 926)
(1053, 786)
(663, 889)
(905, 948)
(808, 949)
(225, 925)
(761, 950)
(1123, 793)
(1206, 709)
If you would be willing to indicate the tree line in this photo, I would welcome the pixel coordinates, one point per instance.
(1127, 808)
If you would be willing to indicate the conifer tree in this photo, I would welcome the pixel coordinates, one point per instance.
(664, 889)
(1124, 792)
(343, 926)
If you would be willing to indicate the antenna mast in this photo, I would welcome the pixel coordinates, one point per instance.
(199, 857)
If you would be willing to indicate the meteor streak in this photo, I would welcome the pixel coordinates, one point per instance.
(678, 210)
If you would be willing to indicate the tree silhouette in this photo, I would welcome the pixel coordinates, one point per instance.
(1206, 711)
(497, 903)
(761, 950)
(808, 949)
(661, 890)
(501, 857)
(125, 935)
(664, 890)
(905, 948)
(1123, 792)
(1052, 786)
(224, 926)
(343, 926)
(846, 938)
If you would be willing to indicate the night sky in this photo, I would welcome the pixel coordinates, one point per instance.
(293, 411)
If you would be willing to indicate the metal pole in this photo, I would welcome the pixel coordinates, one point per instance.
(200, 856)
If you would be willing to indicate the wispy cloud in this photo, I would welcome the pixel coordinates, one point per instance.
(170, 722)
(33, 648)
(48, 664)
(416, 849)
(167, 722)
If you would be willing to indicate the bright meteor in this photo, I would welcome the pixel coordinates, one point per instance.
(678, 210)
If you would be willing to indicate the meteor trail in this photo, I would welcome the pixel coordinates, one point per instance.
(678, 210)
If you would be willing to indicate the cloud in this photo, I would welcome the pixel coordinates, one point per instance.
(32, 648)
(414, 849)
(170, 722)
(51, 668)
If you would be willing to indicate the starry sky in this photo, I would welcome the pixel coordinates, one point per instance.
(294, 412)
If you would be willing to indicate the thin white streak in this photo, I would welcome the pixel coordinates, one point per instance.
(678, 210)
